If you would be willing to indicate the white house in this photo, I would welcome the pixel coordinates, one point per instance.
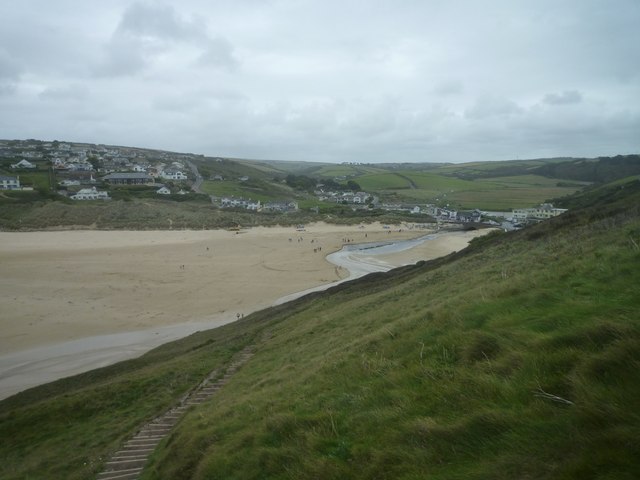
(168, 175)
(283, 206)
(163, 191)
(90, 194)
(69, 183)
(9, 183)
(227, 202)
(541, 212)
(23, 164)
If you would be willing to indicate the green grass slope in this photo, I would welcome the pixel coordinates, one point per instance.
(517, 357)
(496, 193)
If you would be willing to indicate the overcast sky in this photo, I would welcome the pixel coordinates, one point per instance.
(326, 80)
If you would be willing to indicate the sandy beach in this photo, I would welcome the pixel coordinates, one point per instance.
(137, 289)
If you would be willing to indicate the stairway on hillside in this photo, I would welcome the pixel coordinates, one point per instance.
(128, 462)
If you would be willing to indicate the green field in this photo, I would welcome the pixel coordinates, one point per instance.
(501, 193)
(333, 171)
(378, 182)
(39, 178)
(253, 189)
(515, 358)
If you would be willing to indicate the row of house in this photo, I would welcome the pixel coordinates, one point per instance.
(166, 191)
(66, 157)
(543, 211)
(257, 206)
(94, 194)
(358, 198)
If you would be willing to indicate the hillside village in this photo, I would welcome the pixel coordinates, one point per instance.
(90, 172)
(79, 167)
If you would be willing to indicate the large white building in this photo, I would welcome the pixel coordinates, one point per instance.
(90, 194)
(541, 212)
(9, 183)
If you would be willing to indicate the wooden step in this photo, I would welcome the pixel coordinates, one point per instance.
(121, 474)
(128, 462)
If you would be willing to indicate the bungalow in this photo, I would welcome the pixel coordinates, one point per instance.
(163, 191)
(69, 183)
(80, 167)
(227, 202)
(23, 164)
(90, 194)
(281, 207)
(171, 175)
(9, 183)
(128, 178)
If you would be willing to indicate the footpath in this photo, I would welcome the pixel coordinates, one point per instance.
(128, 462)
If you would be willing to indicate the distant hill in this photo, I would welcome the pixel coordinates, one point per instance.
(489, 186)
(517, 357)
(599, 170)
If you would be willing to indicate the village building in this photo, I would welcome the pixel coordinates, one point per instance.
(9, 183)
(23, 164)
(474, 216)
(133, 178)
(281, 207)
(163, 191)
(227, 202)
(69, 183)
(173, 175)
(541, 212)
(90, 194)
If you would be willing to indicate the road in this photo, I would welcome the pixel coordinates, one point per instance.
(198, 182)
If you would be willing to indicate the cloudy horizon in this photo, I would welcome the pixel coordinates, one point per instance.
(355, 81)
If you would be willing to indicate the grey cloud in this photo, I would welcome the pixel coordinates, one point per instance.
(10, 72)
(70, 92)
(449, 87)
(218, 53)
(492, 106)
(329, 80)
(122, 56)
(565, 98)
(147, 31)
(10, 69)
(160, 22)
(198, 101)
(7, 88)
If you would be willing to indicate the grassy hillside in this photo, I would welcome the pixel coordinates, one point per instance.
(515, 358)
(491, 193)
(598, 170)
